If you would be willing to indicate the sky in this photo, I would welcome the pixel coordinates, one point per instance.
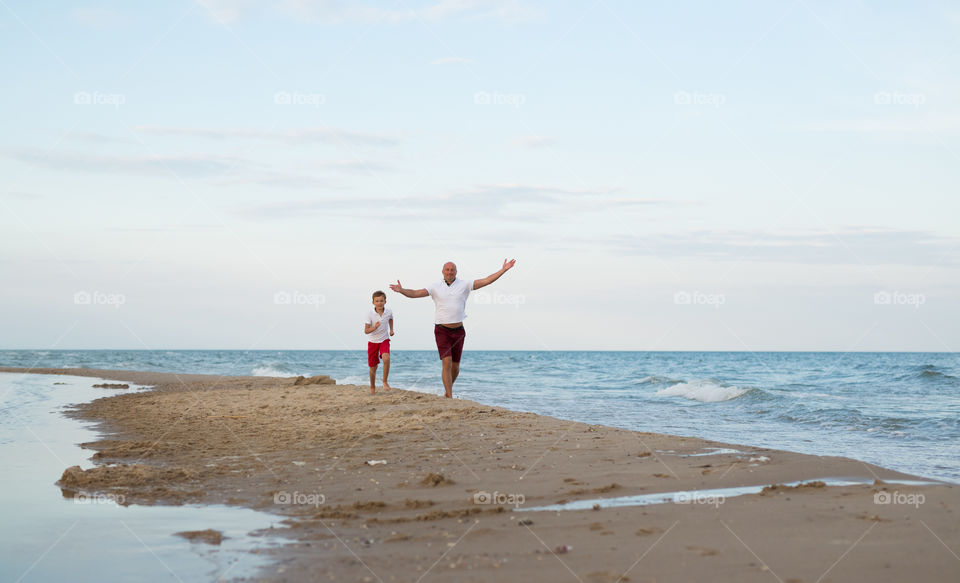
(243, 174)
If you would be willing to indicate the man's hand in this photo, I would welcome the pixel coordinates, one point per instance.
(410, 293)
(483, 282)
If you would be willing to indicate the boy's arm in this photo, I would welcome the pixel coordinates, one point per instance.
(368, 327)
(410, 293)
(391, 326)
(479, 283)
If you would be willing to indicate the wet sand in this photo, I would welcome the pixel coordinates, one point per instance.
(445, 504)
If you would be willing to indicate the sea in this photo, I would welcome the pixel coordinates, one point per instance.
(899, 410)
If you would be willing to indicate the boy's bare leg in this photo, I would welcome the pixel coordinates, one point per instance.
(386, 370)
(373, 377)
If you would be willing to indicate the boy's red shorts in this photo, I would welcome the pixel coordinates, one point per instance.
(375, 349)
(449, 342)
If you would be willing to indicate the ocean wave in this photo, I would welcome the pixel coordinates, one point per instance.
(657, 380)
(935, 375)
(353, 380)
(852, 420)
(927, 372)
(272, 370)
(705, 391)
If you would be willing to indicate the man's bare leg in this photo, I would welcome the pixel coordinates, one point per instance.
(373, 377)
(446, 373)
(455, 369)
(386, 370)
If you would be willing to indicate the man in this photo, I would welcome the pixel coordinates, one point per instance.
(450, 297)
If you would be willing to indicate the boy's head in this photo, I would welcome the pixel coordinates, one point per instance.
(379, 299)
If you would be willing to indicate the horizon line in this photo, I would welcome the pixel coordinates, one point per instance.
(475, 350)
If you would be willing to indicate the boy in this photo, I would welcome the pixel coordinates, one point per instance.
(378, 338)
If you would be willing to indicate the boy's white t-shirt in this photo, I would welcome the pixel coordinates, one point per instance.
(451, 300)
(383, 332)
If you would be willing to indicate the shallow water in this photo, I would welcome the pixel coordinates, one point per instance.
(46, 537)
(711, 497)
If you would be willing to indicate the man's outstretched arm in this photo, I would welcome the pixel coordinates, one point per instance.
(410, 293)
(479, 283)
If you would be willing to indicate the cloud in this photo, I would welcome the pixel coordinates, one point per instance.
(336, 12)
(275, 179)
(536, 141)
(301, 178)
(451, 61)
(509, 11)
(170, 229)
(227, 11)
(100, 18)
(99, 138)
(846, 246)
(225, 170)
(187, 165)
(354, 167)
(590, 198)
(911, 124)
(527, 210)
(534, 190)
(323, 134)
(22, 195)
(513, 202)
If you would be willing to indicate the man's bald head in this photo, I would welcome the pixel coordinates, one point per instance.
(449, 271)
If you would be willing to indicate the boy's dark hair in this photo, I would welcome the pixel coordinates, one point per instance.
(378, 293)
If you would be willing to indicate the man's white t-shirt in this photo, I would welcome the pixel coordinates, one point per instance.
(451, 300)
(383, 332)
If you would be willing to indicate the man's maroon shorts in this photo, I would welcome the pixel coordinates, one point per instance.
(375, 349)
(449, 342)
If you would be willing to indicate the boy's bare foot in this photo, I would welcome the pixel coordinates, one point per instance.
(386, 386)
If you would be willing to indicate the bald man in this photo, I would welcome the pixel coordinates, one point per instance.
(450, 297)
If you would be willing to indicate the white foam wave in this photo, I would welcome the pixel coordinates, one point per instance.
(704, 391)
(270, 371)
(354, 380)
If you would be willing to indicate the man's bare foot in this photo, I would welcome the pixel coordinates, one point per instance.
(373, 390)
(386, 386)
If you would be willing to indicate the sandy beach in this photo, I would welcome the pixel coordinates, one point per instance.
(405, 486)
